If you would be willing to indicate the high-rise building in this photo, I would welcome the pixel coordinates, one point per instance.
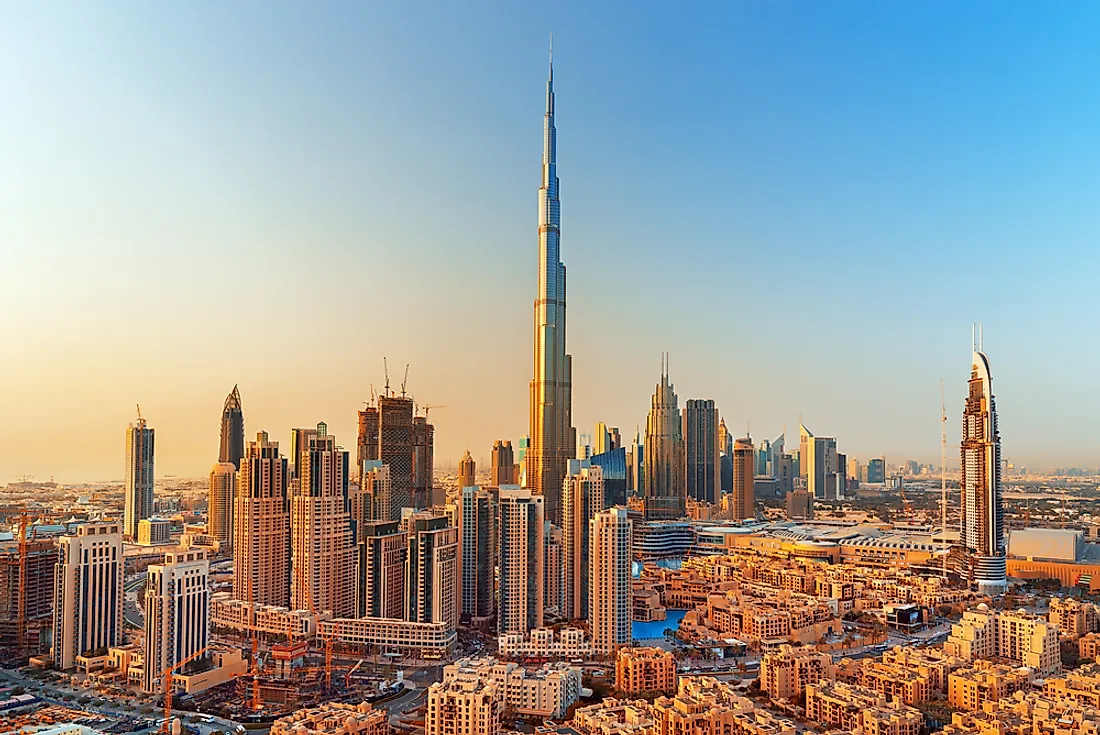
(366, 442)
(584, 447)
(982, 502)
(323, 551)
(261, 526)
(601, 439)
(467, 471)
(609, 607)
(800, 505)
(521, 559)
(665, 494)
(299, 442)
(853, 469)
(763, 459)
(232, 435)
(805, 439)
(219, 503)
(725, 439)
(370, 500)
(613, 463)
(26, 590)
(88, 596)
(423, 465)
(552, 436)
(876, 471)
(553, 565)
(503, 468)
(177, 613)
(383, 552)
(138, 489)
(744, 495)
(477, 533)
(582, 499)
(817, 463)
(431, 578)
(702, 450)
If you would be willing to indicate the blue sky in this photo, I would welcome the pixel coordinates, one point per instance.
(806, 204)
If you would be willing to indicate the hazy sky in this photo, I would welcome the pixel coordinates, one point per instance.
(806, 204)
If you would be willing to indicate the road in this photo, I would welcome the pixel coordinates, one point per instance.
(409, 700)
(131, 610)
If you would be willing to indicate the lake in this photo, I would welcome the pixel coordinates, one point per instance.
(656, 629)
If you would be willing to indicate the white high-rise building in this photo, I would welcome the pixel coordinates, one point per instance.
(431, 576)
(177, 613)
(982, 502)
(261, 526)
(582, 499)
(609, 609)
(87, 592)
(138, 488)
(522, 559)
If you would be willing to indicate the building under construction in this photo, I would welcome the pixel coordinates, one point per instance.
(26, 592)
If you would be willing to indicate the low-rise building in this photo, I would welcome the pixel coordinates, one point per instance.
(1026, 714)
(154, 532)
(645, 670)
(1019, 637)
(615, 717)
(567, 643)
(236, 619)
(1081, 685)
(334, 718)
(428, 641)
(1074, 617)
(548, 691)
(985, 681)
(465, 705)
(1088, 646)
(931, 663)
(896, 682)
(786, 672)
(855, 708)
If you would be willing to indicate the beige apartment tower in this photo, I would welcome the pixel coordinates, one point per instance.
(522, 561)
(323, 554)
(177, 613)
(609, 608)
(383, 551)
(582, 499)
(219, 504)
(87, 592)
(744, 489)
(261, 526)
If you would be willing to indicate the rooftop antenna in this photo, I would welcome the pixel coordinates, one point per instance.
(981, 341)
(386, 368)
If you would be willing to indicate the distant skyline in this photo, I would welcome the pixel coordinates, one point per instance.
(806, 205)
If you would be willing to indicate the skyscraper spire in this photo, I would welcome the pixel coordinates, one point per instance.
(552, 435)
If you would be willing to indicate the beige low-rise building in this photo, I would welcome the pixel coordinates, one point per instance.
(1019, 637)
(1074, 617)
(429, 641)
(895, 682)
(567, 643)
(855, 708)
(548, 691)
(1028, 713)
(615, 717)
(932, 663)
(1081, 685)
(465, 705)
(985, 681)
(334, 718)
(1088, 646)
(236, 619)
(645, 670)
(786, 672)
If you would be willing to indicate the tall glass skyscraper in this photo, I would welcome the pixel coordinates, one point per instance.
(138, 490)
(553, 439)
(232, 444)
(982, 503)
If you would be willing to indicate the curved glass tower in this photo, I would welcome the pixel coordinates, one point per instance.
(982, 504)
(552, 434)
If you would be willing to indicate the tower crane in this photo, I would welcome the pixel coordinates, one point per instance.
(405, 380)
(428, 407)
(168, 686)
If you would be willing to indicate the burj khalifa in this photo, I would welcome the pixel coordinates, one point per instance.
(552, 434)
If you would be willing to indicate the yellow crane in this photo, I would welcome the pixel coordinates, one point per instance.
(168, 686)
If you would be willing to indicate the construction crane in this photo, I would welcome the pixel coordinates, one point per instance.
(347, 677)
(317, 627)
(140, 419)
(21, 619)
(164, 728)
(405, 380)
(386, 370)
(428, 407)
